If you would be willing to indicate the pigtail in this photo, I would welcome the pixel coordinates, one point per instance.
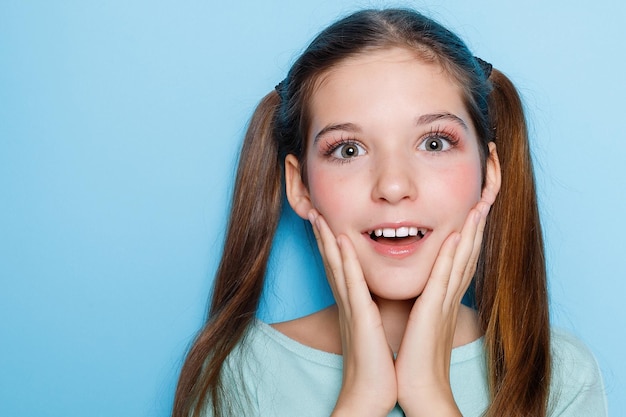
(239, 280)
(511, 292)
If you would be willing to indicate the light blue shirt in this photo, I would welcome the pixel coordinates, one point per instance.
(285, 378)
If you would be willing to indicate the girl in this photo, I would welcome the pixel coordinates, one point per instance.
(410, 159)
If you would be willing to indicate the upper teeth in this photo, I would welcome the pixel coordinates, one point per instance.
(399, 232)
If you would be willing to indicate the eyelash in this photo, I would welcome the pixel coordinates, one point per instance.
(435, 133)
(440, 133)
(331, 147)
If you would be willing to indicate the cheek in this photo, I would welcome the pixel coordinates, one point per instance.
(459, 191)
(328, 192)
(465, 181)
(334, 196)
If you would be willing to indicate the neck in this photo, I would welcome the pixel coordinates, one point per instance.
(394, 315)
(321, 330)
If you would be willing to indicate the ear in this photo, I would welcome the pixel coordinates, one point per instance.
(493, 176)
(297, 192)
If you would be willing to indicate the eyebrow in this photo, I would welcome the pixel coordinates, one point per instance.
(434, 117)
(348, 127)
(419, 121)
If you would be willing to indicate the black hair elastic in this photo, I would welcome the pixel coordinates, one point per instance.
(279, 88)
(485, 66)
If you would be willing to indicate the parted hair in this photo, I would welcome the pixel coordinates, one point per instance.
(510, 283)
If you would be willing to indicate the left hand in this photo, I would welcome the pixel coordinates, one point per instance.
(423, 360)
(368, 386)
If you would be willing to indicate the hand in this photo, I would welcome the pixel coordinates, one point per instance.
(369, 379)
(423, 361)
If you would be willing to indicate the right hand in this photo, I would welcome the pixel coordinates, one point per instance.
(369, 386)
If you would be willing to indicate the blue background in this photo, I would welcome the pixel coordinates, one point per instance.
(119, 128)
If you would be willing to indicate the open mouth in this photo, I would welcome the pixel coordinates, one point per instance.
(398, 235)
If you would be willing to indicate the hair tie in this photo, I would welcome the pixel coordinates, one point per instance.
(485, 66)
(279, 88)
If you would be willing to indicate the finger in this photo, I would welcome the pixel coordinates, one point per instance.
(467, 267)
(356, 286)
(483, 208)
(464, 253)
(313, 214)
(447, 276)
(331, 256)
(437, 284)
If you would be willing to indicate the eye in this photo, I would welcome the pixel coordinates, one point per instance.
(436, 143)
(347, 150)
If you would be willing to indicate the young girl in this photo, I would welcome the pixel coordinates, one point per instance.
(409, 157)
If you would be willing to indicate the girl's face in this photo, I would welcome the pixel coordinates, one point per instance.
(393, 163)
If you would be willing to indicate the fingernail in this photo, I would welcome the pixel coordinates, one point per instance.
(311, 217)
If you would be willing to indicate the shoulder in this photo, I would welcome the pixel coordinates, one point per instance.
(265, 354)
(576, 387)
(571, 358)
(319, 330)
(279, 375)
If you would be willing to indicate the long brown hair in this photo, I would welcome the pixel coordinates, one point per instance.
(510, 281)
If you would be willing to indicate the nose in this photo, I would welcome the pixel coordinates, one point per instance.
(394, 180)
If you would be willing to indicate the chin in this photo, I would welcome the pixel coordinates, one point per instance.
(396, 290)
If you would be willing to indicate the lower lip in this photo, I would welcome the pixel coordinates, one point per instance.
(396, 251)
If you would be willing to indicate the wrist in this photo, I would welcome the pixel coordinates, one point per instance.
(439, 410)
(350, 412)
(360, 408)
(440, 404)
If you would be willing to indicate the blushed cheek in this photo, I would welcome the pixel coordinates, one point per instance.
(463, 190)
(468, 182)
(326, 192)
(333, 197)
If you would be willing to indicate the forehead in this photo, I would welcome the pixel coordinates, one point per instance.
(385, 82)
(392, 55)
